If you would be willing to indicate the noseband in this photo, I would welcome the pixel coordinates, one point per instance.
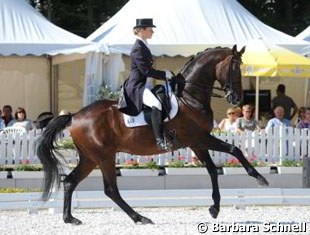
(228, 86)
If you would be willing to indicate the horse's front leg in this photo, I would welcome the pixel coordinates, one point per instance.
(221, 146)
(205, 158)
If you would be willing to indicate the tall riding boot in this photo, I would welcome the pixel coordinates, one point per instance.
(157, 124)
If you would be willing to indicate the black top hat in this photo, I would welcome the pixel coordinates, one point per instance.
(147, 22)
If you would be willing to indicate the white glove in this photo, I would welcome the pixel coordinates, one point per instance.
(168, 74)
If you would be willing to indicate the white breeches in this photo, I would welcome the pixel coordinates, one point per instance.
(150, 100)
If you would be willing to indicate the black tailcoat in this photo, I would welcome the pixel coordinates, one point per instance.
(141, 69)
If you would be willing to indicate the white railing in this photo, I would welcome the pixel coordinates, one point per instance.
(158, 198)
(272, 146)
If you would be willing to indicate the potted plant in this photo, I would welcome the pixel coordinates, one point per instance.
(134, 168)
(233, 167)
(290, 167)
(261, 166)
(26, 171)
(180, 167)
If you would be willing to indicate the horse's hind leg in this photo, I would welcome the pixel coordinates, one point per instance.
(84, 167)
(221, 146)
(205, 158)
(111, 190)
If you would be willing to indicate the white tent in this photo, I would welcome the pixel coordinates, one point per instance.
(24, 31)
(185, 27)
(305, 35)
(27, 42)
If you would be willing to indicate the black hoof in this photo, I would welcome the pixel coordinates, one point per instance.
(213, 212)
(262, 182)
(73, 221)
(144, 220)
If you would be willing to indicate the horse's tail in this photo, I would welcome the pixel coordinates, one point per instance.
(46, 153)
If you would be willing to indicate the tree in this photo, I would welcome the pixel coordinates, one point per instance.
(83, 17)
(288, 16)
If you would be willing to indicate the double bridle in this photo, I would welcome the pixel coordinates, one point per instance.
(227, 87)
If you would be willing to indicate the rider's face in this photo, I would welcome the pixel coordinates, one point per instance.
(147, 33)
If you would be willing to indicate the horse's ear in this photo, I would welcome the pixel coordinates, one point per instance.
(242, 51)
(234, 49)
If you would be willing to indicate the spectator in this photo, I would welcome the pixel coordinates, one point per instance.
(7, 115)
(301, 115)
(21, 119)
(247, 121)
(285, 101)
(305, 123)
(229, 123)
(279, 119)
(238, 111)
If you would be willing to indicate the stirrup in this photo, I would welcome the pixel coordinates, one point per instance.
(163, 145)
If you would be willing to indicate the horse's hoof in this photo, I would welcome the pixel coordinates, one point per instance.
(213, 212)
(73, 221)
(145, 220)
(262, 182)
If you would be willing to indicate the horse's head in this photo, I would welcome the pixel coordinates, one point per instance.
(228, 74)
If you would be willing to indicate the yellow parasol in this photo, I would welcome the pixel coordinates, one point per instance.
(264, 59)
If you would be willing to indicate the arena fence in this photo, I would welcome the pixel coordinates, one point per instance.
(158, 198)
(272, 146)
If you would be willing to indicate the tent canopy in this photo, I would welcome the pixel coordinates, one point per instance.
(304, 35)
(265, 59)
(24, 31)
(185, 27)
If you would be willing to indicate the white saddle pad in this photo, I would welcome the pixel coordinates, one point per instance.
(134, 121)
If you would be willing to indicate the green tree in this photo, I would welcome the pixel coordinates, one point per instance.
(288, 16)
(83, 17)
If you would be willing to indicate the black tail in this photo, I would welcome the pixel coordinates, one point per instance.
(46, 153)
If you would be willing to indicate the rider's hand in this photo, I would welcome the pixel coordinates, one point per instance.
(169, 75)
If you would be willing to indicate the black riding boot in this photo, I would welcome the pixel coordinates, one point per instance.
(157, 124)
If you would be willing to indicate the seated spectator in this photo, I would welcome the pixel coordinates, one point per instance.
(279, 119)
(238, 111)
(7, 115)
(21, 119)
(229, 123)
(247, 121)
(305, 123)
(301, 115)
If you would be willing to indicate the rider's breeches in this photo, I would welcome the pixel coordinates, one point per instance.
(150, 100)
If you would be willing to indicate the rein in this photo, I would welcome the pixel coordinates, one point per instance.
(227, 87)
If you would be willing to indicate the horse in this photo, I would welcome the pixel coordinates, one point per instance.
(98, 132)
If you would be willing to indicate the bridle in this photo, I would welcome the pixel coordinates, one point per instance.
(227, 87)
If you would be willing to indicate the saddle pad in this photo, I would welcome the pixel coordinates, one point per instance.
(134, 121)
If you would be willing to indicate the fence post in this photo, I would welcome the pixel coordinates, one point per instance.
(306, 172)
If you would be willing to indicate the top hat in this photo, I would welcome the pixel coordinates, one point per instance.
(146, 22)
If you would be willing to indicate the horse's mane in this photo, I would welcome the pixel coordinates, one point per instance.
(200, 53)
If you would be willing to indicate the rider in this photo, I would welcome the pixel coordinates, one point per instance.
(137, 91)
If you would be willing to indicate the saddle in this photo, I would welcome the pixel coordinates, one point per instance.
(169, 105)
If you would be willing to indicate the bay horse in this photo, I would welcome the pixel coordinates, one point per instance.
(98, 132)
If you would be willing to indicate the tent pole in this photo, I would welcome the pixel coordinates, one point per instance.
(257, 99)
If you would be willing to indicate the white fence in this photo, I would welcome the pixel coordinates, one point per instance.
(272, 146)
(159, 198)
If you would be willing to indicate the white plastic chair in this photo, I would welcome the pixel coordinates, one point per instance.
(13, 130)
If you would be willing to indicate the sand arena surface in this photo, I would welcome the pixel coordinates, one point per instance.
(168, 221)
